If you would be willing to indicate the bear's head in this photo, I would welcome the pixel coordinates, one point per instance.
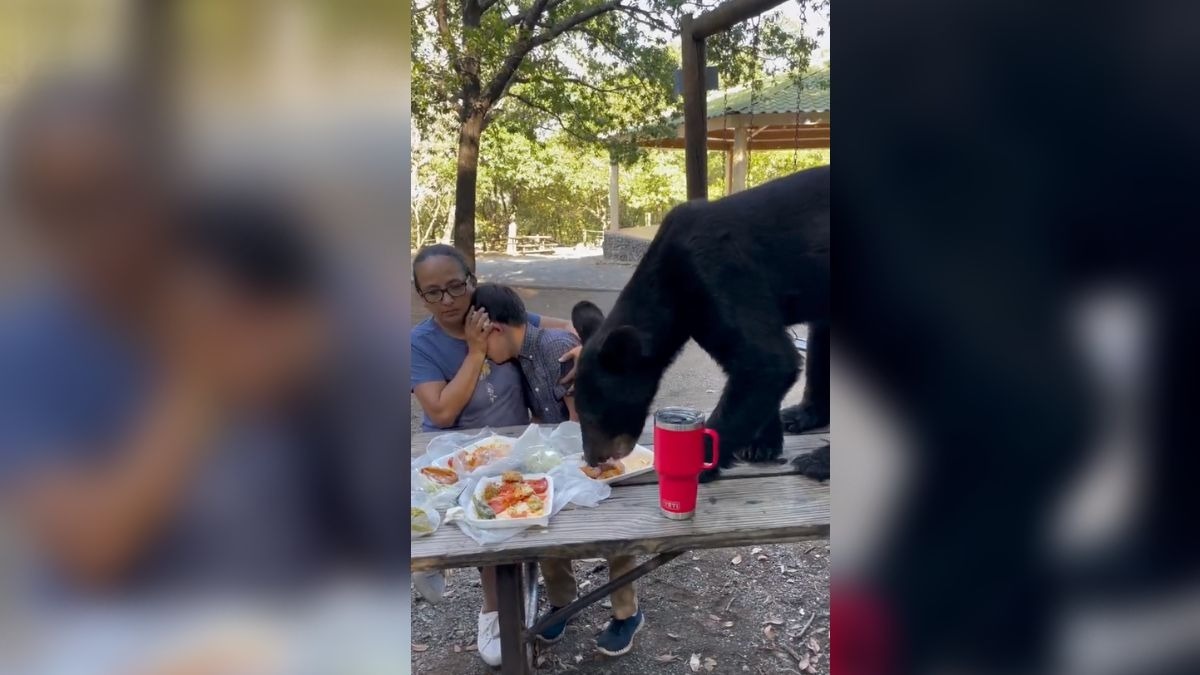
(613, 385)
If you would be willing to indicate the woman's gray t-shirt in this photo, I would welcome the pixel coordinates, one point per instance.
(498, 400)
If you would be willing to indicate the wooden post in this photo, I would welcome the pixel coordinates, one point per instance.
(729, 171)
(695, 112)
(739, 160)
(692, 32)
(614, 197)
(726, 15)
(511, 248)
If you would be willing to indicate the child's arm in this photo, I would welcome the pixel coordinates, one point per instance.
(570, 401)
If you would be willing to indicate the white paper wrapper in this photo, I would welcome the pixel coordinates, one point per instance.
(571, 486)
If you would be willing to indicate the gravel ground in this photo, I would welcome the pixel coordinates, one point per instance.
(769, 613)
(776, 621)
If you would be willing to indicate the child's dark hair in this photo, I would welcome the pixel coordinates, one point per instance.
(435, 250)
(255, 241)
(502, 303)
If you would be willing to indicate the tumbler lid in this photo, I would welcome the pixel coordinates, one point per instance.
(678, 419)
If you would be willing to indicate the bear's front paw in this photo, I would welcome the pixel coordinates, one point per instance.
(814, 465)
(762, 452)
(709, 475)
(798, 419)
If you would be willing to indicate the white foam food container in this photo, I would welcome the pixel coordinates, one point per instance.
(506, 523)
(638, 462)
(434, 488)
(460, 455)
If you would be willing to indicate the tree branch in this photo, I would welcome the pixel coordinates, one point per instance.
(447, 39)
(574, 22)
(557, 118)
(568, 80)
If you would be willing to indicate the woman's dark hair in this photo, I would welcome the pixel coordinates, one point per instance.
(255, 240)
(436, 250)
(502, 303)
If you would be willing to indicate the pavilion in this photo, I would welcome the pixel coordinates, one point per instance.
(785, 114)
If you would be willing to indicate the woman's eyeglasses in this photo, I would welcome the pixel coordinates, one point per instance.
(455, 289)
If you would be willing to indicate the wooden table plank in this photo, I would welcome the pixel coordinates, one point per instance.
(793, 446)
(728, 513)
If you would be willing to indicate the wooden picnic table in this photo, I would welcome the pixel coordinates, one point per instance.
(750, 504)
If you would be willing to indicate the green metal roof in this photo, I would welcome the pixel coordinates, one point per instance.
(783, 95)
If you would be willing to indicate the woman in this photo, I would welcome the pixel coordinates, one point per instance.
(457, 387)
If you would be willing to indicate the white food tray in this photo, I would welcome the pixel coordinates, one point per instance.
(506, 523)
(638, 462)
(461, 454)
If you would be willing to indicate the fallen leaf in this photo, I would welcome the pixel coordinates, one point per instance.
(579, 658)
(417, 647)
(813, 645)
(774, 622)
(666, 658)
(714, 617)
(694, 663)
(737, 560)
(470, 648)
(761, 558)
(756, 550)
(728, 624)
(673, 636)
(697, 569)
(709, 664)
(769, 631)
(457, 649)
(804, 663)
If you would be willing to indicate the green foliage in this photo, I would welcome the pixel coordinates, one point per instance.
(561, 84)
(560, 188)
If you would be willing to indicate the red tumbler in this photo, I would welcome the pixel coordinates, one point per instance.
(679, 458)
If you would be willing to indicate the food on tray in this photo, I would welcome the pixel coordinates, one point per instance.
(513, 497)
(606, 470)
(420, 521)
(638, 461)
(480, 456)
(440, 475)
(482, 510)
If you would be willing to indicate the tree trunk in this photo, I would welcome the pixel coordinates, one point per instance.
(471, 121)
(465, 185)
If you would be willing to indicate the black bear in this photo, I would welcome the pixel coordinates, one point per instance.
(732, 274)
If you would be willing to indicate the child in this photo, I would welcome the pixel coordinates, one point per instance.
(537, 352)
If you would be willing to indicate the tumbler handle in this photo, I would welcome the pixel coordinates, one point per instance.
(711, 433)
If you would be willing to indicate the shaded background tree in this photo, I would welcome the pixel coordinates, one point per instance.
(587, 70)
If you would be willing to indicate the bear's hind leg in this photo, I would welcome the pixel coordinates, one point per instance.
(813, 410)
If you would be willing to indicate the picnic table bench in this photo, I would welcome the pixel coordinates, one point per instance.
(531, 243)
(750, 504)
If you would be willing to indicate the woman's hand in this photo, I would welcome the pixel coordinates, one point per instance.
(573, 356)
(478, 327)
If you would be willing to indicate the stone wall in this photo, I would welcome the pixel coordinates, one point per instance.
(624, 248)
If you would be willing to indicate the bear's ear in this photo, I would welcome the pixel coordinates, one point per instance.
(622, 350)
(586, 318)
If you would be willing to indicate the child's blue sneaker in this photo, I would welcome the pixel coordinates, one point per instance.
(555, 631)
(617, 639)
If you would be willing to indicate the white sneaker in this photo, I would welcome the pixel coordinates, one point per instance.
(488, 640)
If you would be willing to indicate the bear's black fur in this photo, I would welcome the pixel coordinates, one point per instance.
(732, 274)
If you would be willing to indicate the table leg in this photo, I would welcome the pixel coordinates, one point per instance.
(515, 651)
